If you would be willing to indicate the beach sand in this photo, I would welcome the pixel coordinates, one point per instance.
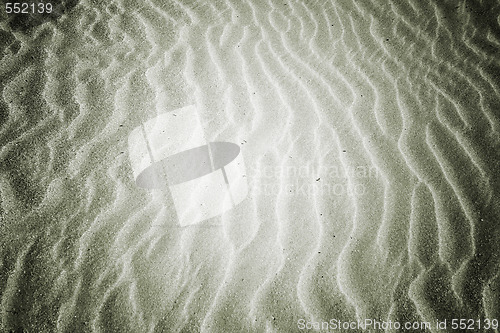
(371, 143)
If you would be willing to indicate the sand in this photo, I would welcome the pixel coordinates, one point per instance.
(371, 146)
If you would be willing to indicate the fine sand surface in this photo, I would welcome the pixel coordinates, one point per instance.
(370, 133)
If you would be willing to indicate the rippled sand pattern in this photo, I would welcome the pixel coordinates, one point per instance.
(371, 138)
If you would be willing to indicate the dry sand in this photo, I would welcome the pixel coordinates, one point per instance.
(370, 135)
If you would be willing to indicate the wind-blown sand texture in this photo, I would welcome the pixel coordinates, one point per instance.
(370, 134)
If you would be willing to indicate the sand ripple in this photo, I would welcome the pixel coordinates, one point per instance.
(370, 133)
